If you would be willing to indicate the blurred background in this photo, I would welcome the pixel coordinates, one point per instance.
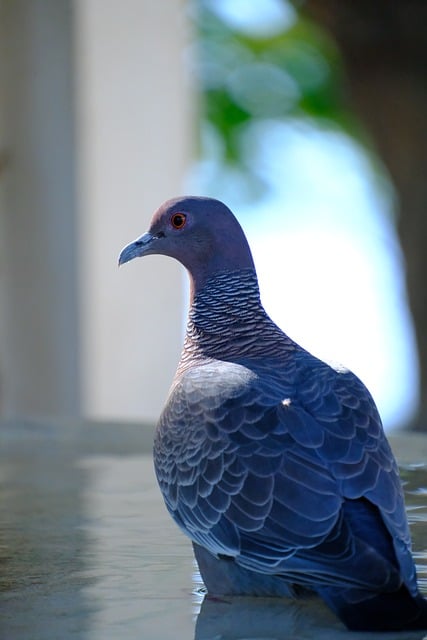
(309, 119)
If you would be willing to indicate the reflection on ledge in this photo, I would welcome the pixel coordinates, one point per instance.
(277, 619)
(88, 551)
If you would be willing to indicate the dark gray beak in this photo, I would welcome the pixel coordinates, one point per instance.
(137, 248)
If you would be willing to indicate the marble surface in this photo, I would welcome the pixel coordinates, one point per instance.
(87, 550)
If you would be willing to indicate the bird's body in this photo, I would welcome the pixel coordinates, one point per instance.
(274, 463)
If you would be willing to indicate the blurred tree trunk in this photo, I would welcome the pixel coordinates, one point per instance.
(384, 47)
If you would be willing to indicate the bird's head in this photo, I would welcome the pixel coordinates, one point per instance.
(201, 233)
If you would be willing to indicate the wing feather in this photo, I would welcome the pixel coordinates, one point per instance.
(260, 472)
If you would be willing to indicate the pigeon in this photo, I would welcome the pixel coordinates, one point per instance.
(274, 463)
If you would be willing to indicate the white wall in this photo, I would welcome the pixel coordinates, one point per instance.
(133, 141)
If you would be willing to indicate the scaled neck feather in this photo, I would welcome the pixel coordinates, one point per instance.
(228, 322)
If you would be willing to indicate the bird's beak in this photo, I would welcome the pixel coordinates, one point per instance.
(137, 248)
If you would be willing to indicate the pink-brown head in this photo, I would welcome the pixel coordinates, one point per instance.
(201, 233)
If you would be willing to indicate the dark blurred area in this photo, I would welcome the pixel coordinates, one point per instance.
(384, 49)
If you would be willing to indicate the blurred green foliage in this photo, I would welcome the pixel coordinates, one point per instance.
(246, 76)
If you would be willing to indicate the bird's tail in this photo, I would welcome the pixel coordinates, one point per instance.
(395, 611)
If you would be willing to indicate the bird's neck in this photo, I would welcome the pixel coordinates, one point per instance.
(227, 320)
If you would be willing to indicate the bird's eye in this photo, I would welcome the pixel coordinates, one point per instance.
(178, 220)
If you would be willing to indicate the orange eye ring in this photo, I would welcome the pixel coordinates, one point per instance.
(178, 220)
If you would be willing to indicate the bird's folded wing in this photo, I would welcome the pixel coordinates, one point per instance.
(252, 471)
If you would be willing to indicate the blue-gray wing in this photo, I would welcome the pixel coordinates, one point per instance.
(258, 467)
